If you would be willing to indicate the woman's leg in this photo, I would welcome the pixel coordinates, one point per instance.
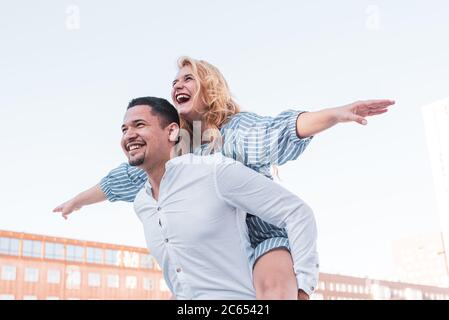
(274, 276)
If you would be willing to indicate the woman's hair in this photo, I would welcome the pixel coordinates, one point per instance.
(214, 91)
(216, 96)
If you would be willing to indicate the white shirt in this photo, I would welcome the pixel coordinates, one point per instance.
(197, 230)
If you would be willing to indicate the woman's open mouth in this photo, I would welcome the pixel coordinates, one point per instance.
(182, 98)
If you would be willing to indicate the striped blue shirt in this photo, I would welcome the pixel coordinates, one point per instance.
(256, 141)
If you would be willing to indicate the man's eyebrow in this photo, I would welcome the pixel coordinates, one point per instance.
(133, 122)
(138, 120)
(174, 81)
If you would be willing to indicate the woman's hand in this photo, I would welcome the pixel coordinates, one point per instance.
(311, 123)
(67, 208)
(359, 110)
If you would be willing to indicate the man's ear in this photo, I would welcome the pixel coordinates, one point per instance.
(173, 132)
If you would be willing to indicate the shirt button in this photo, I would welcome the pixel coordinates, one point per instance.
(160, 223)
(158, 208)
(178, 270)
(312, 288)
(166, 240)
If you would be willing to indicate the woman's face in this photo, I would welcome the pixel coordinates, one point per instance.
(183, 93)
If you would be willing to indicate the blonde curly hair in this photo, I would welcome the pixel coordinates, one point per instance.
(214, 92)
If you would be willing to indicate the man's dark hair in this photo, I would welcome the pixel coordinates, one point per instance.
(161, 108)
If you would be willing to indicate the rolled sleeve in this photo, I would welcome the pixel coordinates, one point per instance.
(259, 141)
(104, 186)
(291, 128)
(123, 183)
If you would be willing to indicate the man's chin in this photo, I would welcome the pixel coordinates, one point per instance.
(136, 162)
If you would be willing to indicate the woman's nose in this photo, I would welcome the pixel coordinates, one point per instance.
(178, 85)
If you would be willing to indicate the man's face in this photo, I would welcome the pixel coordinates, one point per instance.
(143, 138)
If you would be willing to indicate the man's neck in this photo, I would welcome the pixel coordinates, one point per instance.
(155, 174)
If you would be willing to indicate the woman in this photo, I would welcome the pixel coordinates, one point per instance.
(203, 99)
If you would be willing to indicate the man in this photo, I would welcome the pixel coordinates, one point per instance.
(193, 211)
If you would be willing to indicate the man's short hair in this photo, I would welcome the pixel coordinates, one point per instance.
(161, 108)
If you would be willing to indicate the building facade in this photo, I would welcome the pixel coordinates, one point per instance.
(38, 267)
(42, 267)
(341, 287)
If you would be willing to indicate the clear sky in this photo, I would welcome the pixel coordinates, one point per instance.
(68, 70)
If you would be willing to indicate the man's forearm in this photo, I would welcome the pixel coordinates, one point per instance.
(311, 123)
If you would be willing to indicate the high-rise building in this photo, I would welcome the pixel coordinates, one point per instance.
(436, 121)
(421, 260)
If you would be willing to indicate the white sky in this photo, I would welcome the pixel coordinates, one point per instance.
(64, 92)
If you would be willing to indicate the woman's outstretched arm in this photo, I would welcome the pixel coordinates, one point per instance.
(121, 184)
(311, 123)
(90, 196)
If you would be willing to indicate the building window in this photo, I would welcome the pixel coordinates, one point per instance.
(32, 248)
(54, 250)
(113, 281)
(94, 255)
(31, 275)
(331, 286)
(322, 285)
(75, 253)
(349, 288)
(9, 246)
(337, 287)
(8, 273)
(53, 276)
(343, 288)
(148, 284)
(130, 259)
(29, 298)
(131, 282)
(73, 280)
(112, 257)
(94, 280)
(7, 297)
(146, 261)
(52, 298)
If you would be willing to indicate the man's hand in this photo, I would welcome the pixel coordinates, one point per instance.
(67, 208)
(302, 295)
(357, 111)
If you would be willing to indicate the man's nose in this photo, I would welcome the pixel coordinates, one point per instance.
(129, 135)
